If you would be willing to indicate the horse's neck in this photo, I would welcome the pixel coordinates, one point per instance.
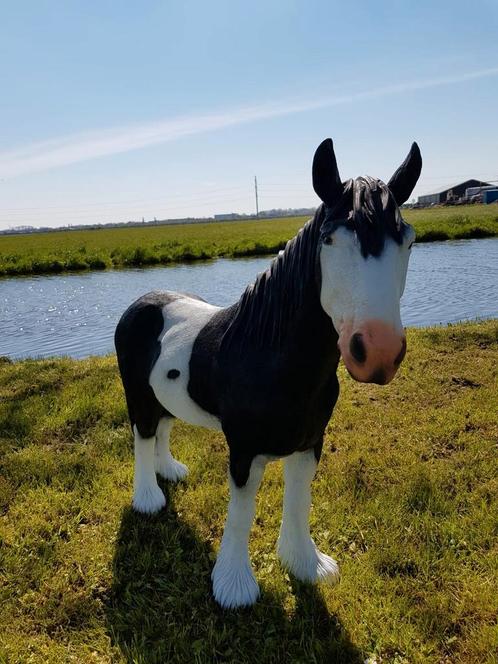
(282, 308)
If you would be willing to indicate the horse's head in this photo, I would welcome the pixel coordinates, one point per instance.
(363, 257)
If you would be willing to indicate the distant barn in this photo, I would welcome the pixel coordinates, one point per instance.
(457, 191)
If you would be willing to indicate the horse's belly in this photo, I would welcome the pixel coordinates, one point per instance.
(170, 375)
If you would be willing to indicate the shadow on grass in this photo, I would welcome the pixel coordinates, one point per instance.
(161, 608)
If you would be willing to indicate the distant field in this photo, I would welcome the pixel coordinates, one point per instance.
(124, 247)
(406, 499)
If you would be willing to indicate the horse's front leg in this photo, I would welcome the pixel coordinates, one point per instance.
(296, 549)
(234, 584)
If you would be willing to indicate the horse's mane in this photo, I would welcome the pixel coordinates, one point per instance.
(266, 307)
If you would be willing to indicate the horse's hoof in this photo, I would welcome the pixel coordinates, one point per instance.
(327, 569)
(309, 565)
(172, 470)
(234, 584)
(148, 500)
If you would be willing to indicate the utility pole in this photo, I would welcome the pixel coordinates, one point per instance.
(256, 194)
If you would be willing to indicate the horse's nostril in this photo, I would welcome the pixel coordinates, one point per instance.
(379, 377)
(357, 348)
(401, 354)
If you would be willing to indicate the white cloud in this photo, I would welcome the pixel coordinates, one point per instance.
(99, 143)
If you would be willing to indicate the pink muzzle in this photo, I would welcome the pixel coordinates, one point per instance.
(372, 351)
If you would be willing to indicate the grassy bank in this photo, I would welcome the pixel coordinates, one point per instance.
(125, 247)
(405, 498)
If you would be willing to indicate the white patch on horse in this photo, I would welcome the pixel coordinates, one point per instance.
(147, 496)
(357, 289)
(234, 584)
(184, 319)
(296, 549)
(165, 464)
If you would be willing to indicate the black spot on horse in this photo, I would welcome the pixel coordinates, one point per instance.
(173, 373)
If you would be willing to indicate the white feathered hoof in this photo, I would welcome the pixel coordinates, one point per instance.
(172, 470)
(308, 564)
(148, 500)
(234, 584)
(326, 569)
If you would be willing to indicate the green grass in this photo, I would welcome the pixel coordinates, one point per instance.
(405, 499)
(125, 247)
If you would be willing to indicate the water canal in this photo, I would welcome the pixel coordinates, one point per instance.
(75, 314)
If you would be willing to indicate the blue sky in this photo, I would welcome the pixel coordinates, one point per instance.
(113, 111)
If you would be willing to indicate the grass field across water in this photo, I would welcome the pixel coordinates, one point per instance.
(405, 498)
(151, 245)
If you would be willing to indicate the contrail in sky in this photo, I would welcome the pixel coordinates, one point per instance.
(83, 146)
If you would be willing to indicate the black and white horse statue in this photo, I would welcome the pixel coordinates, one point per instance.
(264, 369)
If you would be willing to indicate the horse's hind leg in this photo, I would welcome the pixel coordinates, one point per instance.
(166, 466)
(296, 550)
(234, 584)
(147, 496)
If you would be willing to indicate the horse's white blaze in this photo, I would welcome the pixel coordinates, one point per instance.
(234, 583)
(147, 496)
(296, 549)
(184, 318)
(165, 464)
(357, 289)
(362, 296)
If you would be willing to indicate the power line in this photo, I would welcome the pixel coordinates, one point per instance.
(137, 201)
(135, 208)
(135, 213)
(200, 197)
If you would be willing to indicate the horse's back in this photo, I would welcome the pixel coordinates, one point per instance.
(143, 321)
(140, 326)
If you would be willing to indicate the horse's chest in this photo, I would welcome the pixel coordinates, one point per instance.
(279, 407)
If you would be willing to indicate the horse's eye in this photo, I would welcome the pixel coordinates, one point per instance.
(327, 239)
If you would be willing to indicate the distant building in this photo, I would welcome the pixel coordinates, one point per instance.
(229, 216)
(454, 192)
(475, 191)
(490, 196)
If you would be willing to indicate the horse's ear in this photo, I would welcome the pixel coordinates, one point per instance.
(405, 178)
(326, 180)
